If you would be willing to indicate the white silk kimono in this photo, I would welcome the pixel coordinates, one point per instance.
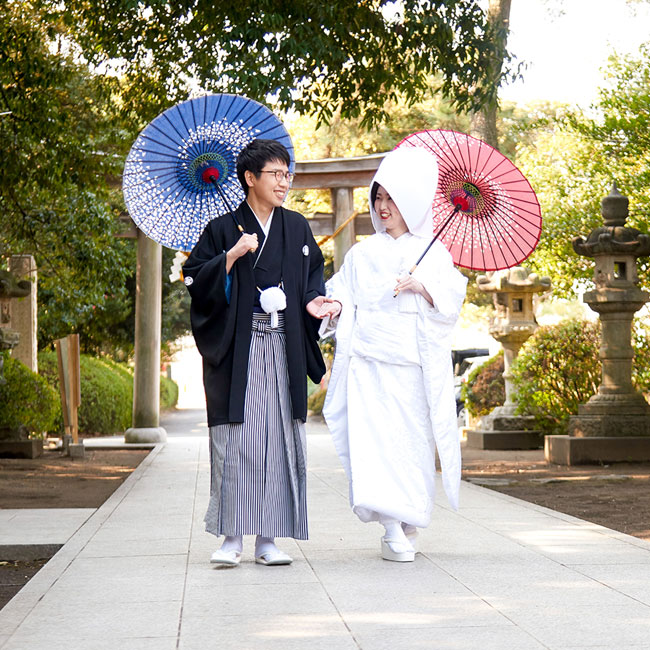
(390, 400)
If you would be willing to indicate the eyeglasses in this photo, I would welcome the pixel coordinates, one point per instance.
(279, 174)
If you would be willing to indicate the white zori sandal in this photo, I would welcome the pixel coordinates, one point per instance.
(225, 558)
(267, 553)
(230, 552)
(274, 558)
(397, 550)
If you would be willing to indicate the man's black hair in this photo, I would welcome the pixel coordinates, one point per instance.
(256, 154)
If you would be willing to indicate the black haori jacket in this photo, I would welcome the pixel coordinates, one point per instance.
(222, 330)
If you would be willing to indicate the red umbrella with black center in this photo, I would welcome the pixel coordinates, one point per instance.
(484, 211)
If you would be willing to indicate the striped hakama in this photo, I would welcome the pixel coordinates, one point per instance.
(258, 467)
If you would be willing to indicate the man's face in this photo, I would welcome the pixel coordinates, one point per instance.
(272, 185)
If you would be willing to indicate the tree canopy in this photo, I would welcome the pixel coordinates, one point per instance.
(314, 57)
(64, 142)
(79, 80)
(573, 161)
(60, 144)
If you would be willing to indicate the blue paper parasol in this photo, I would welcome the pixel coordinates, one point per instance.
(181, 171)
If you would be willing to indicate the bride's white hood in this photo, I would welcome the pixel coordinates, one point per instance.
(410, 176)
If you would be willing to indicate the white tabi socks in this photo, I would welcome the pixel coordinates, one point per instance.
(395, 546)
(232, 543)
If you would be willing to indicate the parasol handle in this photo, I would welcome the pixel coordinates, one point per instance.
(211, 174)
(457, 207)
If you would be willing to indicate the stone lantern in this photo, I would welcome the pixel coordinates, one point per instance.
(13, 442)
(614, 425)
(513, 291)
(9, 289)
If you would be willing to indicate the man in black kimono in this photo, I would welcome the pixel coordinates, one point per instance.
(257, 298)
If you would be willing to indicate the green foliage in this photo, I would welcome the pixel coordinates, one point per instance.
(106, 393)
(344, 137)
(111, 328)
(573, 160)
(312, 57)
(168, 393)
(484, 388)
(641, 361)
(559, 367)
(61, 144)
(349, 137)
(175, 307)
(64, 139)
(26, 399)
(556, 370)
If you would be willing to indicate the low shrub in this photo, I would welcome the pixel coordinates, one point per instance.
(26, 399)
(106, 393)
(556, 370)
(168, 393)
(485, 388)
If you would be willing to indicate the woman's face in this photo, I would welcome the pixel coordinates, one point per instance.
(389, 214)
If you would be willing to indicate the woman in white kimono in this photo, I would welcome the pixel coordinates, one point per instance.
(390, 400)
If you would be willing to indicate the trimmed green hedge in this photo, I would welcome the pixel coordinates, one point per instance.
(106, 393)
(32, 400)
(168, 393)
(27, 400)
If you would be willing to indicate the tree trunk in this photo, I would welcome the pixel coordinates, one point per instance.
(484, 122)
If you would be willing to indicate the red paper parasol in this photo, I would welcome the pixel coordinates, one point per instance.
(485, 211)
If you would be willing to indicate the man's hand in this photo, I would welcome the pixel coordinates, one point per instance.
(245, 243)
(320, 307)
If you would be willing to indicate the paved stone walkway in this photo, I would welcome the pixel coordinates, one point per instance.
(499, 574)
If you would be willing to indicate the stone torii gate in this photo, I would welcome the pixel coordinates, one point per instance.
(339, 175)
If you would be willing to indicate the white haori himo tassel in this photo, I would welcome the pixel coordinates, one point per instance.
(272, 301)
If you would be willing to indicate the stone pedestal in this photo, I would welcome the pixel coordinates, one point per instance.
(21, 448)
(569, 450)
(614, 425)
(145, 434)
(500, 430)
(77, 450)
(513, 291)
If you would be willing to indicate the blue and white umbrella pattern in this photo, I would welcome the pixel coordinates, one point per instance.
(181, 170)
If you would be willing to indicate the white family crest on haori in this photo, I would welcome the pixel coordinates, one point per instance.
(181, 171)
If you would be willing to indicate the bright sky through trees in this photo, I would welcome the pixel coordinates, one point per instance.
(567, 42)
